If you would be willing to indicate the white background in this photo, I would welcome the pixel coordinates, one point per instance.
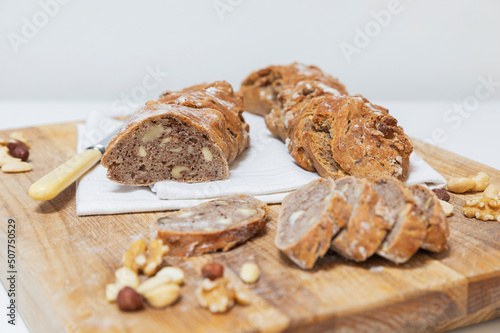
(429, 57)
(99, 49)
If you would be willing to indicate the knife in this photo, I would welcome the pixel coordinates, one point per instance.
(53, 183)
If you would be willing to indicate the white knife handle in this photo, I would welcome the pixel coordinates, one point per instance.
(53, 183)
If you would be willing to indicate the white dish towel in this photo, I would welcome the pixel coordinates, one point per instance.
(264, 170)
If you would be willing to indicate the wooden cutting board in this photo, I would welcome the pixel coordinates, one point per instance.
(65, 261)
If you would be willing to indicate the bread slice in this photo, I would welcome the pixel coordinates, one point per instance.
(215, 225)
(308, 133)
(368, 223)
(187, 136)
(410, 222)
(308, 219)
(317, 145)
(367, 141)
(437, 231)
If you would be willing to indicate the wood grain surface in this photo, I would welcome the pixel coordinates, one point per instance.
(65, 261)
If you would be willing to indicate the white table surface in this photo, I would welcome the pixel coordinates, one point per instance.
(475, 137)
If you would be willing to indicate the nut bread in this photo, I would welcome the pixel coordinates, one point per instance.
(326, 130)
(437, 231)
(261, 89)
(410, 222)
(368, 223)
(359, 219)
(189, 136)
(215, 225)
(308, 219)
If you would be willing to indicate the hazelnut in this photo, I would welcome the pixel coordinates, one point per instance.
(212, 271)
(18, 149)
(129, 300)
(442, 194)
(249, 272)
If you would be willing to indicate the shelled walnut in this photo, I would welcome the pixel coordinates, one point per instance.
(486, 209)
(141, 257)
(215, 292)
(136, 249)
(215, 295)
(154, 256)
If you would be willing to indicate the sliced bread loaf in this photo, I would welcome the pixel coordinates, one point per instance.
(187, 136)
(350, 135)
(367, 141)
(215, 225)
(261, 89)
(308, 219)
(437, 231)
(410, 222)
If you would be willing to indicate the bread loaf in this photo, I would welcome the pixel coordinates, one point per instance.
(326, 130)
(189, 136)
(308, 219)
(215, 225)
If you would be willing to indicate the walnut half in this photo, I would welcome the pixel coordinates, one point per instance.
(486, 209)
(217, 296)
(140, 257)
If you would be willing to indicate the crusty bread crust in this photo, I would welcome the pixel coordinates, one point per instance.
(211, 111)
(362, 138)
(196, 241)
(221, 97)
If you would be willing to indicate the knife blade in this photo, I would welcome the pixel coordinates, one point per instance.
(49, 186)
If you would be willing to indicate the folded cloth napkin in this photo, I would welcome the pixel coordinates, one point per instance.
(265, 170)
